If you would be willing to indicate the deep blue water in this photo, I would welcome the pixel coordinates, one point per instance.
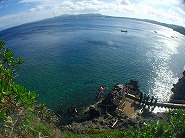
(67, 59)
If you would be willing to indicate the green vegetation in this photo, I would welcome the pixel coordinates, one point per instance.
(19, 113)
(172, 128)
(21, 116)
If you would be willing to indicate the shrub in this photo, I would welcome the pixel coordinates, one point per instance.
(19, 113)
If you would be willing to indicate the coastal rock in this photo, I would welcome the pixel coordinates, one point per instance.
(110, 113)
(179, 89)
(108, 121)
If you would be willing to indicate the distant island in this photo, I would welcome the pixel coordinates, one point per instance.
(177, 28)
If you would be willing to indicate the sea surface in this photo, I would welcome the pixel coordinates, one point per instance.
(68, 58)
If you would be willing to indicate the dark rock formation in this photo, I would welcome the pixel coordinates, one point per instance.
(114, 121)
(133, 85)
(179, 89)
(103, 114)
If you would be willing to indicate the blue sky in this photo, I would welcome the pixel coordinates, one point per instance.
(16, 12)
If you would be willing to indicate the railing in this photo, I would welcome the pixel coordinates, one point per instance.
(159, 104)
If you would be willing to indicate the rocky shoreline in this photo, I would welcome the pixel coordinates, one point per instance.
(110, 112)
(116, 121)
(179, 91)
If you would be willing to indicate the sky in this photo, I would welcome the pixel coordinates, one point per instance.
(16, 12)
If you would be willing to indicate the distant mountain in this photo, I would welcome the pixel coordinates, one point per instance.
(82, 15)
(177, 28)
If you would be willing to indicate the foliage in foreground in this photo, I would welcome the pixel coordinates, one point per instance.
(174, 127)
(19, 113)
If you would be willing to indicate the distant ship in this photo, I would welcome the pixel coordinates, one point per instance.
(124, 31)
(155, 31)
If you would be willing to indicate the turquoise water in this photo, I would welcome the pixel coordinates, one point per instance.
(67, 59)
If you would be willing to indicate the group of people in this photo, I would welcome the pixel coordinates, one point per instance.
(100, 93)
(71, 111)
(144, 100)
(147, 100)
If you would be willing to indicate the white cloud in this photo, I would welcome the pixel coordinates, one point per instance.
(43, 2)
(174, 17)
(49, 8)
(1, 25)
(5, 3)
(123, 2)
(37, 8)
(2, 2)
(161, 2)
(181, 11)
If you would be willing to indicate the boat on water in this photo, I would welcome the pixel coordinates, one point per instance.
(124, 31)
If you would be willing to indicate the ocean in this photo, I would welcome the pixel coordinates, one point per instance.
(68, 58)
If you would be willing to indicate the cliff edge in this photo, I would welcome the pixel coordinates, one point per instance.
(179, 89)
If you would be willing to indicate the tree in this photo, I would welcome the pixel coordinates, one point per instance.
(20, 115)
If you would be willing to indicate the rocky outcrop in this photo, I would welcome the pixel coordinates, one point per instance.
(114, 121)
(179, 89)
(108, 113)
